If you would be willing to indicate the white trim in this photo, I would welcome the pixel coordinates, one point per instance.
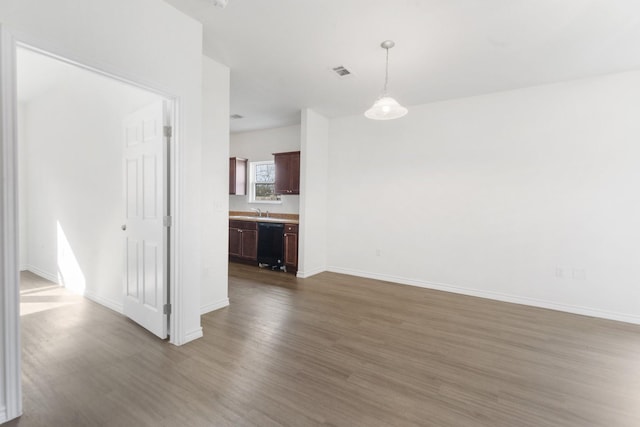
(193, 335)
(11, 346)
(176, 203)
(208, 308)
(44, 274)
(116, 306)
(312, 272)
(498, 296)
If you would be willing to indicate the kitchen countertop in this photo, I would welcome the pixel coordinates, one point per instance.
(263, 219)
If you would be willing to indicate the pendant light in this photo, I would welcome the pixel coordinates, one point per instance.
(385, 107)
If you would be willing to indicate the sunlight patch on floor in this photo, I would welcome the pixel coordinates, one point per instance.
(37, 295)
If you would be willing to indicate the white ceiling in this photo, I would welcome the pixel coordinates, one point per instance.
(280, 51)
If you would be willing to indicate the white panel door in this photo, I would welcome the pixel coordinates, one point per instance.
(145, 235)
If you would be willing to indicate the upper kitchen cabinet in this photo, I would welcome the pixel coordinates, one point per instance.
(287, 172)
(238, 176)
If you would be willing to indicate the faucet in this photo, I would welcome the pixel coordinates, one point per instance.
(267, 214)
(257, 210)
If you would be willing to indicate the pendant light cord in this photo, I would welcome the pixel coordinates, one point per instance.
(386, 74)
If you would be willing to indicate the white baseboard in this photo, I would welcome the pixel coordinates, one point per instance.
(53, 277)
(574, 309)
(309, 273)
(116, 306)
(193, 335)
(208, 308)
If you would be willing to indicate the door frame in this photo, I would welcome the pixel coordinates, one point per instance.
(10, 365)
(11, 347)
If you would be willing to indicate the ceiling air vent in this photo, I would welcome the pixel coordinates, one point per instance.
(236, 117)
(341, 71)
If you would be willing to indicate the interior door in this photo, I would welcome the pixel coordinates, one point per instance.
(145, 233)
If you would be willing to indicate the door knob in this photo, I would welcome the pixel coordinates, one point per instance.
(124, 227)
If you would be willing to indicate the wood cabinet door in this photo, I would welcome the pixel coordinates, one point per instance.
(238, 176)
(283, 170)
(294, 173)
(287, 172)
(250, 244)
(235, 242)
(291, 250)
(232, 175)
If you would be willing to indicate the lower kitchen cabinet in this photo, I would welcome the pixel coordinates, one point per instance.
(243, 240)
(243, 243)
(291, 247)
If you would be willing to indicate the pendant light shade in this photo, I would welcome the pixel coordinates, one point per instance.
(385, 107)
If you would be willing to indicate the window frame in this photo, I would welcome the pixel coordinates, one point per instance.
(252, 184)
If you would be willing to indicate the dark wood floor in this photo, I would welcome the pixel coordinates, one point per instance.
(329, 350)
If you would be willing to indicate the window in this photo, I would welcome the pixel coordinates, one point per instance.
(262, 182)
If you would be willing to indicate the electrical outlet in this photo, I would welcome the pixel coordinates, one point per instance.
(562, 272)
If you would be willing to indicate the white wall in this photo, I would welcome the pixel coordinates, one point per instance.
(312, 256)
(528, 195)
(215, 185)
(73, 185)
(129, 38)
(259, 146)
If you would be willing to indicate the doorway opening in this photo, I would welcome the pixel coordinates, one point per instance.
(82, 192)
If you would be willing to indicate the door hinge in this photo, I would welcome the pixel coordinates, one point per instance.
(166, 309)
(168, 131)
(167, 221)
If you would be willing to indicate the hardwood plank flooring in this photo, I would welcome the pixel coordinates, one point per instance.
(330, 350)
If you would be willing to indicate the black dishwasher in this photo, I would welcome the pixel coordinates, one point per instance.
(270, 245)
